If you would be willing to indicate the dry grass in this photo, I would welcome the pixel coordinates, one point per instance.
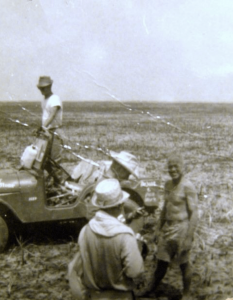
(201, 132)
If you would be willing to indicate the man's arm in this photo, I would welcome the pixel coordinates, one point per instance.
(52, 115)
(162, 219)
(131, 257)
(191, 198)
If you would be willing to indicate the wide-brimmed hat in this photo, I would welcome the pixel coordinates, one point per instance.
(108, 193)
(44, 81)
(126, 160)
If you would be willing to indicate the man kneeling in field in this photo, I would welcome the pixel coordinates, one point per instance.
(178, 221)
(124, 166)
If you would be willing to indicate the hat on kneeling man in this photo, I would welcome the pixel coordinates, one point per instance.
(108, 193)
(126, 160)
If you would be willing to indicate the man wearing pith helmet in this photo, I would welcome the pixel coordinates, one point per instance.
(51, 119)
(124, 165)
(110, 255)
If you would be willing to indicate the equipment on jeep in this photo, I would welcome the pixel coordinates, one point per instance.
(27, 194)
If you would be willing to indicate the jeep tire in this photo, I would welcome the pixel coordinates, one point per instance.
(4, 234)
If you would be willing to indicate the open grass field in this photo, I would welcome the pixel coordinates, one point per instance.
(201, 132)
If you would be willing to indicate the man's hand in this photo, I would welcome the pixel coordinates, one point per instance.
(185, 245)
(41, 129)
(140, 281)
(46, 131)
(36, 131)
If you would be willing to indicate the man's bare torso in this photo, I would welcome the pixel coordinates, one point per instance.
(176, 200)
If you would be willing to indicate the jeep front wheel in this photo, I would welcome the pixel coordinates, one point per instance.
(4, 234)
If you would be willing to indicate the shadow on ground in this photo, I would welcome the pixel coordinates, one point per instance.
(47, 233)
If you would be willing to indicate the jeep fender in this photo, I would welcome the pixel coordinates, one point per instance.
(7, 212)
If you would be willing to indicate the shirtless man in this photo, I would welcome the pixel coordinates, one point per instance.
(177, 224)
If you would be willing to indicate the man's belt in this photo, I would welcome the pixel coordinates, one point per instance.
(173, 222)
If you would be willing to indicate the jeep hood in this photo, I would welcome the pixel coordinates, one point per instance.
(12, 180)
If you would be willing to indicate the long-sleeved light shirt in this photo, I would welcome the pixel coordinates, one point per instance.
(110, 254)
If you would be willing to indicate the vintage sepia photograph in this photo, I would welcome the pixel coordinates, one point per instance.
(116, 177)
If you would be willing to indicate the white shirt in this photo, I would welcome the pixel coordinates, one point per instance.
(47, 105)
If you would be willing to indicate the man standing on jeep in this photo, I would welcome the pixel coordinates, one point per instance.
(51, 118)
(51, 105)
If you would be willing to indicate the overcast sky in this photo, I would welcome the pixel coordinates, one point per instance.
(161, 50)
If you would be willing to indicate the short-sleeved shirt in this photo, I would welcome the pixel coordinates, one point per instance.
(47, 105)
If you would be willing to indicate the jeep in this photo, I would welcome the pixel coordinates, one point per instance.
(28, 197)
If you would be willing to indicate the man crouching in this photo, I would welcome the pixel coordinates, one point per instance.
(108, 248)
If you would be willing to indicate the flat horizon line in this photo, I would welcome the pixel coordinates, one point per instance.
(129, 101)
